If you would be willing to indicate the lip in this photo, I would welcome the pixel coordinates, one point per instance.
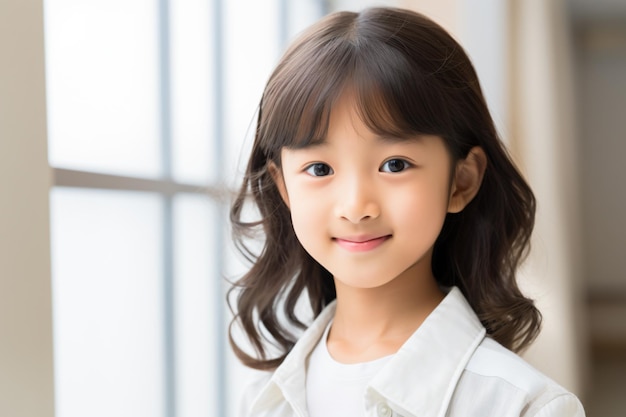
(361, 243)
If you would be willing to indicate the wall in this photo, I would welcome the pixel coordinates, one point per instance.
(26, 358)
(601, 63)
(544, 139)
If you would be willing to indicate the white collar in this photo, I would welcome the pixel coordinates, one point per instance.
(418, 380)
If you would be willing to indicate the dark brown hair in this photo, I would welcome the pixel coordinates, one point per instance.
(409, 77)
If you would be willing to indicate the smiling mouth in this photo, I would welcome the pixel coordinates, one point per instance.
(361, 244)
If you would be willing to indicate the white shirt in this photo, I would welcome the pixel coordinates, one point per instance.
(335, 389)
(447, 368)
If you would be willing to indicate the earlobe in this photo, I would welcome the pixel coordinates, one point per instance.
(468, 177)
(279, 180)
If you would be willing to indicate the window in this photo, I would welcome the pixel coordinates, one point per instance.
(150, 103)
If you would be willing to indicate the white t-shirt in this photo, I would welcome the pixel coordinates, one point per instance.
(334, 388)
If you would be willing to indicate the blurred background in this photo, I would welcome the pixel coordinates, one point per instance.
(125, 123)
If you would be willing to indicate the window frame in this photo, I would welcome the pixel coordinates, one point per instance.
(168, 188)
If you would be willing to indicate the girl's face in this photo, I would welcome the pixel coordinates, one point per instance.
(367, 208)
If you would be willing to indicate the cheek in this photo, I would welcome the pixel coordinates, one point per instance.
(424, 208)
(307, 217)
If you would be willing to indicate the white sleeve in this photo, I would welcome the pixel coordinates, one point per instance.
(566, 405)
(250, 392)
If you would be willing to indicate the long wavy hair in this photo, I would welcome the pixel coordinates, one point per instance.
(409, 77)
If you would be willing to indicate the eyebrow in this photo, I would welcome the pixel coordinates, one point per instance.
(311, 145)
(386, 139)
(399, 139)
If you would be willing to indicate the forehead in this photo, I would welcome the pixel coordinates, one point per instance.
(345, 116)
(353, 113)
(348, 136)
(348, 119)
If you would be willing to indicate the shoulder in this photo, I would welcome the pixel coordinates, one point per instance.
(492, 360)
(250, 400)
(500, 381)
(272, 391)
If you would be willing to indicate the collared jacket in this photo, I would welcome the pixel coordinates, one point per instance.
(447, 368)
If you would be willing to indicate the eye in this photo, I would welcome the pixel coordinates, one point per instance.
(395, 165)
(319, 170)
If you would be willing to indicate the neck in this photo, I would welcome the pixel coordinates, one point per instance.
(373, 322)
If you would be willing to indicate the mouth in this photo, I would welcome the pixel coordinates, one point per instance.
(361, 243)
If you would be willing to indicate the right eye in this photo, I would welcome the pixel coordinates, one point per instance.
(319, 170)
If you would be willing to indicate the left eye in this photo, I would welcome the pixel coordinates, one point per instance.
(395, 165)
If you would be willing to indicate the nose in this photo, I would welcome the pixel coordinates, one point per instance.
(357, 201)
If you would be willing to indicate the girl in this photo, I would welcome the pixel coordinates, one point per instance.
(388, 202)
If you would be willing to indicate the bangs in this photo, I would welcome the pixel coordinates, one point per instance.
(396, 98)
(397, 93)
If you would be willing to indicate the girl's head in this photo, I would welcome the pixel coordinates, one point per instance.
(405, 77)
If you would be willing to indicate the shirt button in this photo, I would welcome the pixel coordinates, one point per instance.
(383, 410)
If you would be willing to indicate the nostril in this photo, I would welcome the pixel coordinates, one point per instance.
(358, 216)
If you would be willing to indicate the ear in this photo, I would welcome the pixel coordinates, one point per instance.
(468, 176)
(279, 180)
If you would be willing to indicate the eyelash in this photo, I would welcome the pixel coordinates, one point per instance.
(311, 169)
(405, 165)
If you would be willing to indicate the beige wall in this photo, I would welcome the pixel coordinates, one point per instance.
(26, 356)
(601, 63)
(448, 13)
(544, 139)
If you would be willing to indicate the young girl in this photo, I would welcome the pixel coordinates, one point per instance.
(388, 202)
